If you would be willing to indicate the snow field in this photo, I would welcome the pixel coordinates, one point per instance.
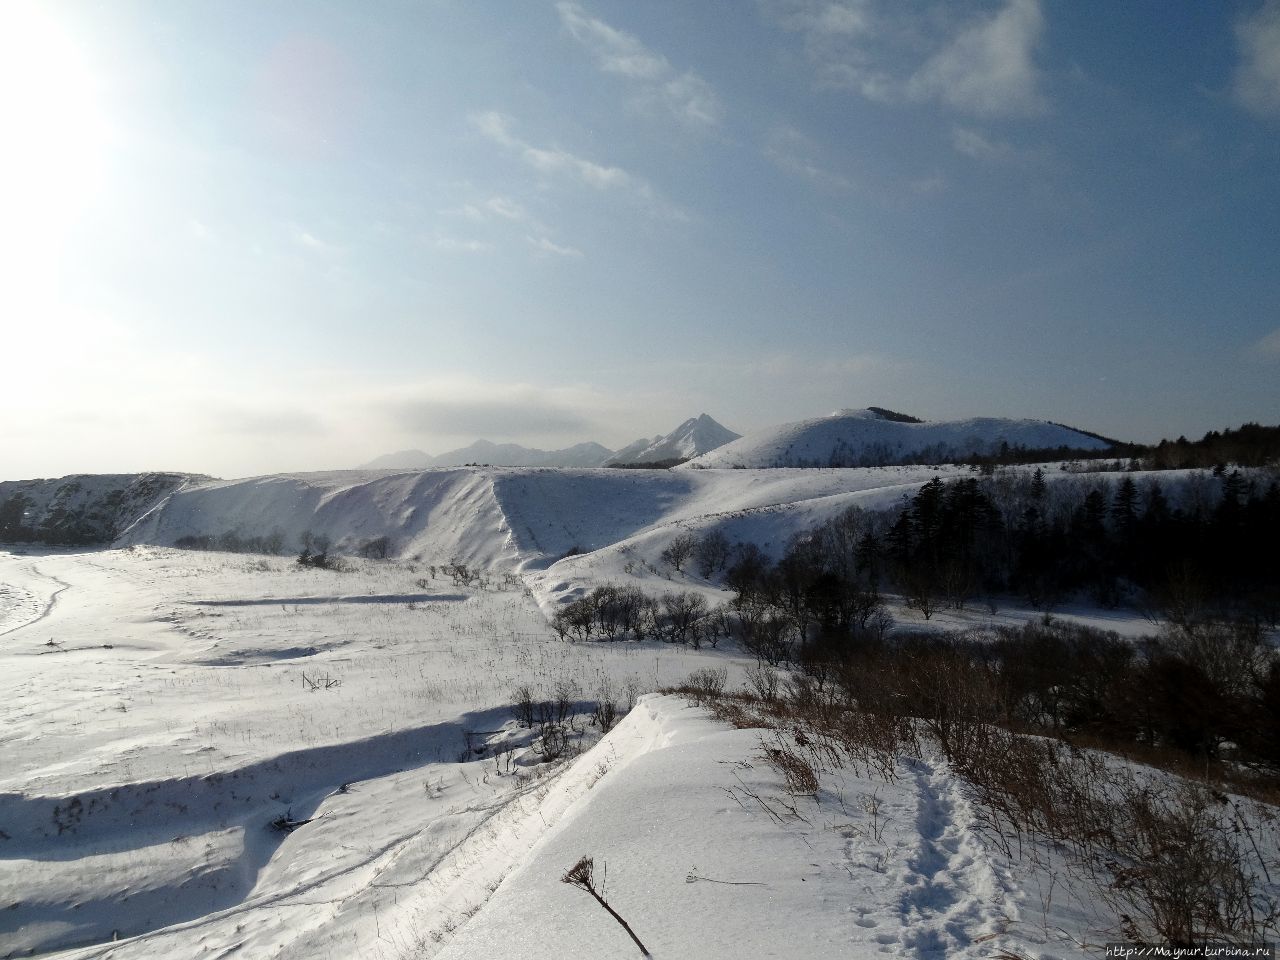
(159, 709)
(172, 718)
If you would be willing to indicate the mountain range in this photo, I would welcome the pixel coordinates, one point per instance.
(697, 435)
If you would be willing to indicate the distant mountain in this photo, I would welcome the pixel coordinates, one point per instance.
(496, 454)
(696, 436)
(877, 437)
(401, 460)
(631, 451)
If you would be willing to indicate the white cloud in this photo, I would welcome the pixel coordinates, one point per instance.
(1257, 81)
(497, 127)
(506, 208)
(544, 245)
(974, 144)
(456, 245)
(503, 213)
(988, 68)
(691, 99)
(686, 95)
(892, 52)
(797, 154)
(1269, 346)
(555, 161)
(305, 238)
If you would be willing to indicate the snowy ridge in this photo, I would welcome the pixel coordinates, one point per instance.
(860, 438)
(479, 875)
(562, 528)
(587, 454)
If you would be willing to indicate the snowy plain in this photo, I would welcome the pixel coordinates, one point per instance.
(160, 709)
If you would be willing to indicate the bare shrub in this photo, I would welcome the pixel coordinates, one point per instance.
(606, 712)
(522, 698)
(764, 681)
(707, 683)
(679, 550)
(799, 774)
(565, 695)
(712, 553)
(681, 612)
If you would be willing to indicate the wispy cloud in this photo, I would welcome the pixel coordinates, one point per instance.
(895, 53)
(1269, 346)
(988, 69)
(554, 161)
(505, 208)
(1257, 80)
(458, 245)
(978, 146)
(686, 95)
(544, 245)
(797, 154)
(308, 240)
(497, 127)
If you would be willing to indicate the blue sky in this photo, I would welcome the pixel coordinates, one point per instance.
(251, 237)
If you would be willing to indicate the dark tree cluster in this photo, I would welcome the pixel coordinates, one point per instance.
(1213, 554)
(1251, 445)
(1209, 690)
(626, 613)
(823, 592)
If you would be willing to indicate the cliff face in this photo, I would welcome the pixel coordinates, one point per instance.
(82, 509)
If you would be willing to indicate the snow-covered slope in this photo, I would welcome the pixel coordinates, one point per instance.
(696, 436)
(857, 438)
(588, 454)
(445, 514)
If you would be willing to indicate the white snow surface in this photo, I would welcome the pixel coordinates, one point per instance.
(159, 714)
(850, 438)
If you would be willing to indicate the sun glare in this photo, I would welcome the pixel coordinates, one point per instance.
(54, 138)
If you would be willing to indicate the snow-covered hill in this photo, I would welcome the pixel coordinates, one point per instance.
(516, 518)
(587, 454)
(696, 436)
(860, 438)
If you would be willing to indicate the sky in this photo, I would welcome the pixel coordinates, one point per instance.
(241, 237)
